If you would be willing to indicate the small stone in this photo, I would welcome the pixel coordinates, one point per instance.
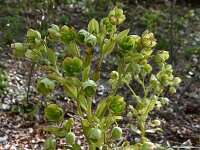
(5, 106)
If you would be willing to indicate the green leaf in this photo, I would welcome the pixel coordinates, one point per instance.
(101, 109)
(51, 56)
(108, 120)
(93, 26)
(50, 144)
(33, 54)
(76, 147)
(108, 46)
(70, 89)
(58, 132)
(45, 86)
(83, 102)
(54, 113)
(86, 74)
(73, 49)
(87, 58)
(121, 35)
(133, 128)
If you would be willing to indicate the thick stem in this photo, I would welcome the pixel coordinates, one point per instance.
(29, 81)
(142, 129)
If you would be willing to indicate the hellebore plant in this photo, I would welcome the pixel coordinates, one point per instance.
(80, 82)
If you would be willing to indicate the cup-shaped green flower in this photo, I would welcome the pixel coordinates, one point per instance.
(116, 16)
(117, 104)
(84, 37)
(18, 50)
(89, 87)
(148, 39)
(126, 44)
(106, 26)
(33, 37)
(67, 34)
(70, 138)
(54, 32)
(45, 86)
(53, 113)
(72, 66)
(94, 134)
(116, 133)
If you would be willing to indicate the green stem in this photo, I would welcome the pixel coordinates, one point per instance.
(142, 134)
(134, 94)
(79, 105)
(89, 113)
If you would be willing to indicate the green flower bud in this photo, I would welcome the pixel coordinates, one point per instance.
(50, 144)
(172, 90)
(33, 36)
(176, 80)
(89, 87)
(129, 115)
(147, 68)
(126, 44)
(95, 134)
(164, 100)
(116, 133)
(117, 105)
(114, 75)
(93, 26)
(153, 80)
(136, 38)
(158, 90)
(148, 39)
(159, 59)
(158, 105)
(128, 77)
(165, 54)
(53, 113)
(18, 50)
(68, 124)
(136, 69)
(67, 34)
(168, 66)
(55, 27)
(164, 78)
(72, 66)
(116, 16)
(45, 86)
(54, 32)
(156, 122)
(84, 37)
(106, 26)
(70, 138)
